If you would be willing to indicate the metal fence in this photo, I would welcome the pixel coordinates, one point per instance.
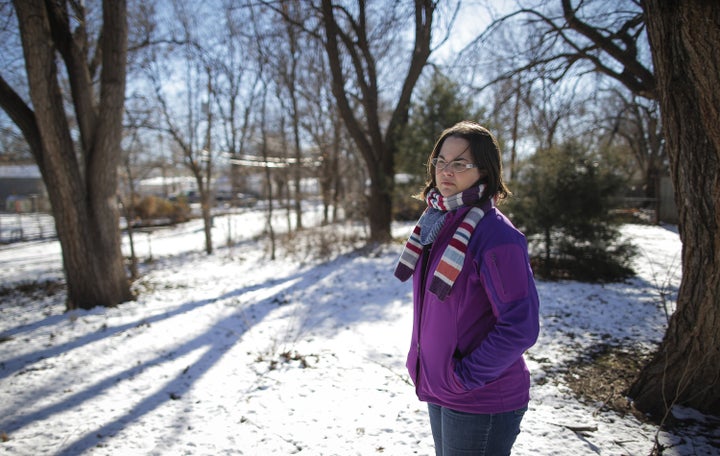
(28, 226)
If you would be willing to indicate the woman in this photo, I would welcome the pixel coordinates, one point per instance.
(475, 302)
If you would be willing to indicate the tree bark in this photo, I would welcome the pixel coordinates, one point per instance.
(683, 37)
(82, 188)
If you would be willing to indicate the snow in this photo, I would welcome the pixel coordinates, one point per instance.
(233, 353)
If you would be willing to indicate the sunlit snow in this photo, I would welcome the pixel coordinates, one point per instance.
(232, 353)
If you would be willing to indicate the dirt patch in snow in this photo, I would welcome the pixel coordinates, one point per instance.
(604, 376)
(602, 379)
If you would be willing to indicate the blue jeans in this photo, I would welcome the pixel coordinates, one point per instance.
(459, 433)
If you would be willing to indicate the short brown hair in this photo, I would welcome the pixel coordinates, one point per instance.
(485, 153)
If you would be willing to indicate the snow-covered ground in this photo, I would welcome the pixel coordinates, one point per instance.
(234, 353)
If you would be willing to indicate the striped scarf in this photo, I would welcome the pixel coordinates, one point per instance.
(454, 255)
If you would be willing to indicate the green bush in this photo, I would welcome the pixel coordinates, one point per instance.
(563, 204)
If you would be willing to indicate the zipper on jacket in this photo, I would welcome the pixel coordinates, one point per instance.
(493, 258)
(421, 306)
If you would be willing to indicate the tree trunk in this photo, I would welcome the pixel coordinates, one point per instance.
(268, 174)
(82, 188)
(380, 205)
(683, 37)
(365, 130)
(205, 209)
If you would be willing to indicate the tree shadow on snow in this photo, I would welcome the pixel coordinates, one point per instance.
(322, 298)
(215, 347)
(340, 293)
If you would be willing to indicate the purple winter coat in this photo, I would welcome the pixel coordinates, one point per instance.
(467, 351)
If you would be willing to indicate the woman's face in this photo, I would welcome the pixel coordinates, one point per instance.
(450, 182)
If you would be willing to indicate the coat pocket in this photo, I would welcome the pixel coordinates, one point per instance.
(453, 383)
(507, 265)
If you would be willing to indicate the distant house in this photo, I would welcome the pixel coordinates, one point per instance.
(166, 186)
(22, 189)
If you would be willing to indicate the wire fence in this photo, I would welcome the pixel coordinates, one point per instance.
(29, 226)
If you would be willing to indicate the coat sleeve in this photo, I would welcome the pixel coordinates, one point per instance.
(508, 280)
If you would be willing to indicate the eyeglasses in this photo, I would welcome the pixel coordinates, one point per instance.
(455, 165)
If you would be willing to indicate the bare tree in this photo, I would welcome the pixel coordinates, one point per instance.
(13, 146)
(516, 94)
(237, 89)
(551, 107)
(636, 121)
(264, 149)
(139, 161)
(324, 126)
(189, 124)
(81, 177)
(128, 202)
(287, 68)
(353, 56)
